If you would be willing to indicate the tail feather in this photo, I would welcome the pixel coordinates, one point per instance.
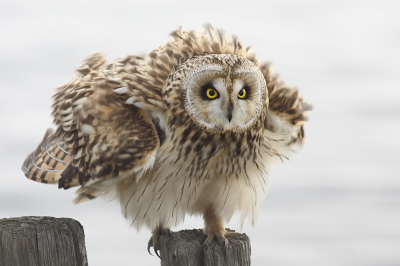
(48, 161)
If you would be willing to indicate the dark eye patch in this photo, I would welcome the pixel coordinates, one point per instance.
(248, 91)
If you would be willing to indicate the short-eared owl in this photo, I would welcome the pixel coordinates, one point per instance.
(192, 127)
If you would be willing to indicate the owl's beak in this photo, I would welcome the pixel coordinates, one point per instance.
(229, 115)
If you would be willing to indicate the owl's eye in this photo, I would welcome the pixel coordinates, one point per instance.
(242, 93)
(211, 93)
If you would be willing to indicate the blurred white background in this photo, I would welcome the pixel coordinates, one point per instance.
(337, 202)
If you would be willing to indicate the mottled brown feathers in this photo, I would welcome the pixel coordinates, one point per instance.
(47, 162)
(98, 136)
(112, 118)
(286, 103)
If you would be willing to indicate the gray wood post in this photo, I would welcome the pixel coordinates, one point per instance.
(186, 248)
(41, 241)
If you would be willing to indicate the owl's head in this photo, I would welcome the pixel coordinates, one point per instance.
(220, 92)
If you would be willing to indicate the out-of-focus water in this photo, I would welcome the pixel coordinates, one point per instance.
(337, 202)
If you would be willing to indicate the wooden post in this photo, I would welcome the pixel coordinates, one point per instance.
(186, 248)
(38, 241)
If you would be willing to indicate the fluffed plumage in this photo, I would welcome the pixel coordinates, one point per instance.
(128, 128)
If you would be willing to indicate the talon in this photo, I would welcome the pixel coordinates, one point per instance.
(224, 244)
(156, 251)
(149, 245)
(154, 241)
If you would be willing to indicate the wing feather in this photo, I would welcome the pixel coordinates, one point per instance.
(287, 112)
(100, 138)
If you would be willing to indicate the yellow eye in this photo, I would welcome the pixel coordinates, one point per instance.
(242, 93)
(211, 93)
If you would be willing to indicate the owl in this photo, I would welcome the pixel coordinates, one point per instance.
(194, 127)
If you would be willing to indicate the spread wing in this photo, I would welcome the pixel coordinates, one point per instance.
(100, 138)
(287, 112)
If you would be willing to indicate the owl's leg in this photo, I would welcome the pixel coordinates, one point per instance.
(154, 241)
(214, 228)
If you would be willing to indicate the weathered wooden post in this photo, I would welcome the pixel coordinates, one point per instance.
(186, 248)
(41, 241)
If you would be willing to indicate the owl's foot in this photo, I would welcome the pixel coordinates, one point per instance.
(221, 237)
(154, 241)
(214, 228)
